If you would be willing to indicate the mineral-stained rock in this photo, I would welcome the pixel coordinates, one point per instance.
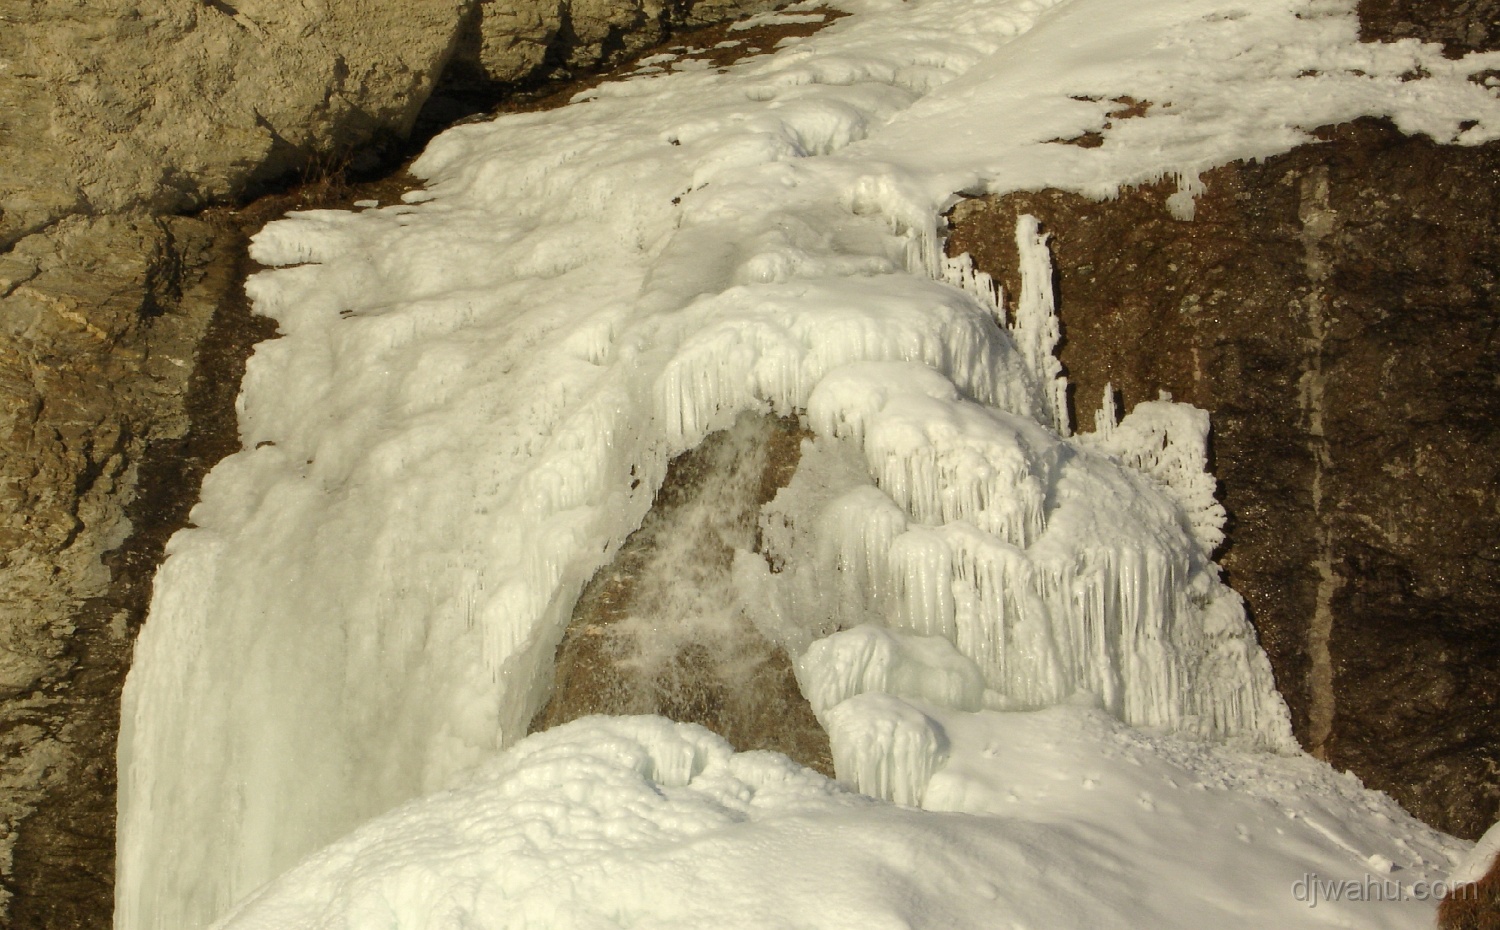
(1335, 309)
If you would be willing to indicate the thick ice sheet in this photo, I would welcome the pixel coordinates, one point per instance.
(475, 395)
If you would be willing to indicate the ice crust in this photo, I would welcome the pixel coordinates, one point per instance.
(474, 397)
(1046, 563)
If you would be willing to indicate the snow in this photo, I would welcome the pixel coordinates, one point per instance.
(1058, 818)
(474, 398)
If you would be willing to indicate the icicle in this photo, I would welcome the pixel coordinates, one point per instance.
(1054, 573)
(960, 272)
(1169, 442)
(1107, 417)
(1037, 330)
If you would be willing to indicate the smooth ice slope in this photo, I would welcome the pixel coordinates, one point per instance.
(475, 395)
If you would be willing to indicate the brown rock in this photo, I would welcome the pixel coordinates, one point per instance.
(1334, 309)
(518, 42)
(1461, 26)
(98, 325)
(166, 106)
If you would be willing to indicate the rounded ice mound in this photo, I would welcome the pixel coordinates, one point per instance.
(870, 658)
(586, 803)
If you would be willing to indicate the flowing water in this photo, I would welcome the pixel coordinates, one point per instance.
(661, 628)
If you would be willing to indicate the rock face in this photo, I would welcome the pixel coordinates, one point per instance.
(168, 105)
(1461, 26)
(1334, 309)
(510, 41)
(100, 322)
(656, 630)
(123, 330)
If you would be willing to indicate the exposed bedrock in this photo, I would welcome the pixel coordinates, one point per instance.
(1335, 309)
(1460, 26)
(510, 41)
(169, 105)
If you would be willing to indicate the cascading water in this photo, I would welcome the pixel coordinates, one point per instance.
(661, 629)
(476, 397)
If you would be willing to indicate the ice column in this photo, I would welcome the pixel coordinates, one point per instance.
(1036, 329)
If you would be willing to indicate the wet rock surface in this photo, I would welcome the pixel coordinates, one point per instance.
(1334, 308)
(657, 630)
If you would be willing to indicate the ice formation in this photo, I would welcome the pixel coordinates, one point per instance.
(1069, 820)
(873, 659)
(1036, 329)
(1046, 563)
(1480, 859)
(475, 395)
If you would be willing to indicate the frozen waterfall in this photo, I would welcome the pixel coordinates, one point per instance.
(476, 393)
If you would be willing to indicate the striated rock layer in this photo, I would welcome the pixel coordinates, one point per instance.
(1334, 308)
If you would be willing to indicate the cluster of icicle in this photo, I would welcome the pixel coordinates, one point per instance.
(1045, 569)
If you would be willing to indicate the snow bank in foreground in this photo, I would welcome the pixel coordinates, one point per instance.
(1074, 823)
(475, 396)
